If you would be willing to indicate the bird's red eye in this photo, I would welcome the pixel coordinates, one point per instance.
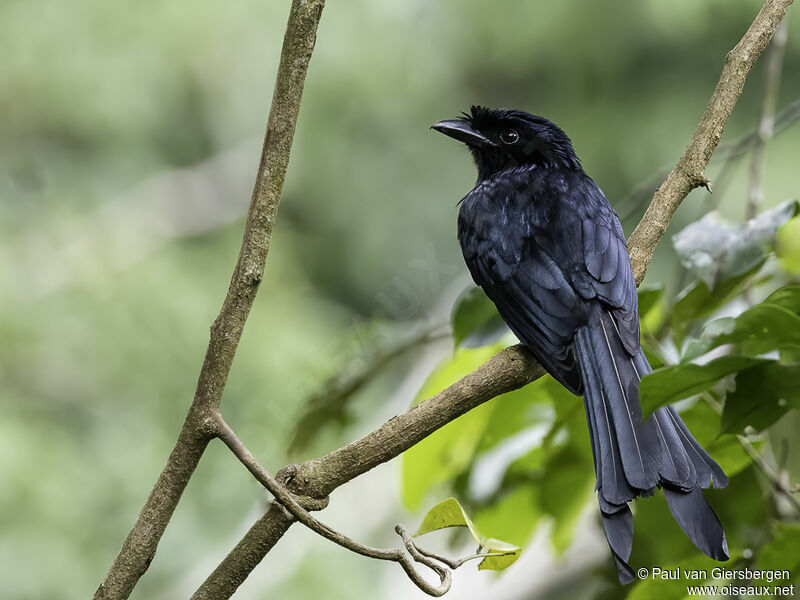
(509, 136)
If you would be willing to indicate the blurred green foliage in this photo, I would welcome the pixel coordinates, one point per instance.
(734, 399)
(128, 139)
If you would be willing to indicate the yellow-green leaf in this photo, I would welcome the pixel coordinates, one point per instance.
(448, 513)
(510, 554)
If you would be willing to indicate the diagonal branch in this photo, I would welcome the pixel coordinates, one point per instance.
(139, 548)
(728, 153)
(510, 369)
(513, 367)
(330, 401)
(406, 559)
(689, 172)
(766, 124)
(779, 486)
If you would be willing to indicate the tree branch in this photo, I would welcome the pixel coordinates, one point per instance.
(139, 548)
(513, 367)
(689, 172)
(729, 152)
(439, 564)
(509, 369)
(330, 400)
(778, 485)
(732, 152)
(766, 124)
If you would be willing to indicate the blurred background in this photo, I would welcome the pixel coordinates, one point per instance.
(129, 139)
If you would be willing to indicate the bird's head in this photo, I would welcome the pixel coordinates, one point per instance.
(502, 139)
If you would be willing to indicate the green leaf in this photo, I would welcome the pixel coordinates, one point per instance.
(521, 409)
(744, 504)
(788, 246)
(674, 383)
(790, 354)
(696, 347)
(653, 354)
(783, 440)
(762, 328)
(723, 256)
(781, 553)
(715, 249)
(565, 489)
(475, 319)
(771, 325)
(729, 454)
(787, 297)
(763, 394)
(498, 563)
(445, 454)
(448, 513)
(513, 517)
(698, 300)
(704, 423)
(652, 308)
(649, 296)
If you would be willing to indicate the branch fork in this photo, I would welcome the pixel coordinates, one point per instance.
(298, 507)
(508, 370)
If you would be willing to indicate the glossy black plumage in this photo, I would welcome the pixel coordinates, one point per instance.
(540, 238)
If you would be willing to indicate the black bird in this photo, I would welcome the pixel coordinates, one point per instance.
(540, 238)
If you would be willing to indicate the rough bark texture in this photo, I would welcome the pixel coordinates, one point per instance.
(510, 369)
(514, 367)
(139, 548)
(689, 172)
(250, 550)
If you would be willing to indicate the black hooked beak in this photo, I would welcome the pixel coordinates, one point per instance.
(461, 131)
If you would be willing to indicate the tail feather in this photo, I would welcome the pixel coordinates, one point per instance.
(677, 467)
(709, 473)
(704, 468)
(632, 456)
(612, 485)
(624, 570)
(618, 526)
(637, 440)
(698, 521)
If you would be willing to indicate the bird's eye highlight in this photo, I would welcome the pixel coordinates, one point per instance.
(509, 136)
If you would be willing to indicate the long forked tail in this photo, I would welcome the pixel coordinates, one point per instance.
(632, 456)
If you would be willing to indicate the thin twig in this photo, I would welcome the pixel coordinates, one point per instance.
(774, 478)
(729, 153)
(330, 400)
(784, 119)
(513, 367)
(777, 483)
(139, 547)
(766, 124)
(509, 369)
(299, 512)
(732, 152)
(689, 172)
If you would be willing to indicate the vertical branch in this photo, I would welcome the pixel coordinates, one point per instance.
(139, 547)
(513, 367)
(766, 124)
(508, 370)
